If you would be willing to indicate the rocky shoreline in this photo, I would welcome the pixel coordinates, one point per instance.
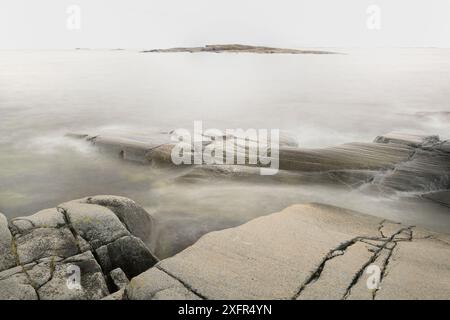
(103, 236)
(307, 251)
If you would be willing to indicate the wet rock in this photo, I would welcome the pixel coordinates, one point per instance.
(123, 148)
(425, 170)
(157, 284)
(397, 161)
(132, 148)
(351, 156)
(409, 139)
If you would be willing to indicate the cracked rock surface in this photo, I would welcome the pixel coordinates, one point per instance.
(308, 251)
(98, 236)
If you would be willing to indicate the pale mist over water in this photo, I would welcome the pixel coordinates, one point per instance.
(323, 100)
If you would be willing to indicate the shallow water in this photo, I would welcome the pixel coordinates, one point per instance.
(323, 100)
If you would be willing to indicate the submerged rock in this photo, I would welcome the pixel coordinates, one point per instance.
(441, 197)
(87, 240)
(409, 139)
(393, 162)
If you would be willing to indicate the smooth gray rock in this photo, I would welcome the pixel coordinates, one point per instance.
(307, 251)
(118, 295)
(424, 171)
(397, 161)
(237, 48)
(267, 258)
(48, 218)
(156, 284)
(137, 221)
(350, 156)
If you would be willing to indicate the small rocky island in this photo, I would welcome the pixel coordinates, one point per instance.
(238, 48)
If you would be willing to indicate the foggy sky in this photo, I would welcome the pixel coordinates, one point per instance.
(28, 24)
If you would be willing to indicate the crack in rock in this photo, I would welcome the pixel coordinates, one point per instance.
(19, 264)
(342, 248)
(376, 254)
(338, 251)
(187, 286)
(70, 226)
(388, 260)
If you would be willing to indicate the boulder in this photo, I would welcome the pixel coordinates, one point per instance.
(137, 221)
(92, 237)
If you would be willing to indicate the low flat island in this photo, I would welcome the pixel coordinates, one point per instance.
(237, 48)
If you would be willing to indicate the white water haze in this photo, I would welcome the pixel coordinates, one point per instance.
(323, 100)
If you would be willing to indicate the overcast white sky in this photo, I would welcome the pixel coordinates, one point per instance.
(165, 23)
